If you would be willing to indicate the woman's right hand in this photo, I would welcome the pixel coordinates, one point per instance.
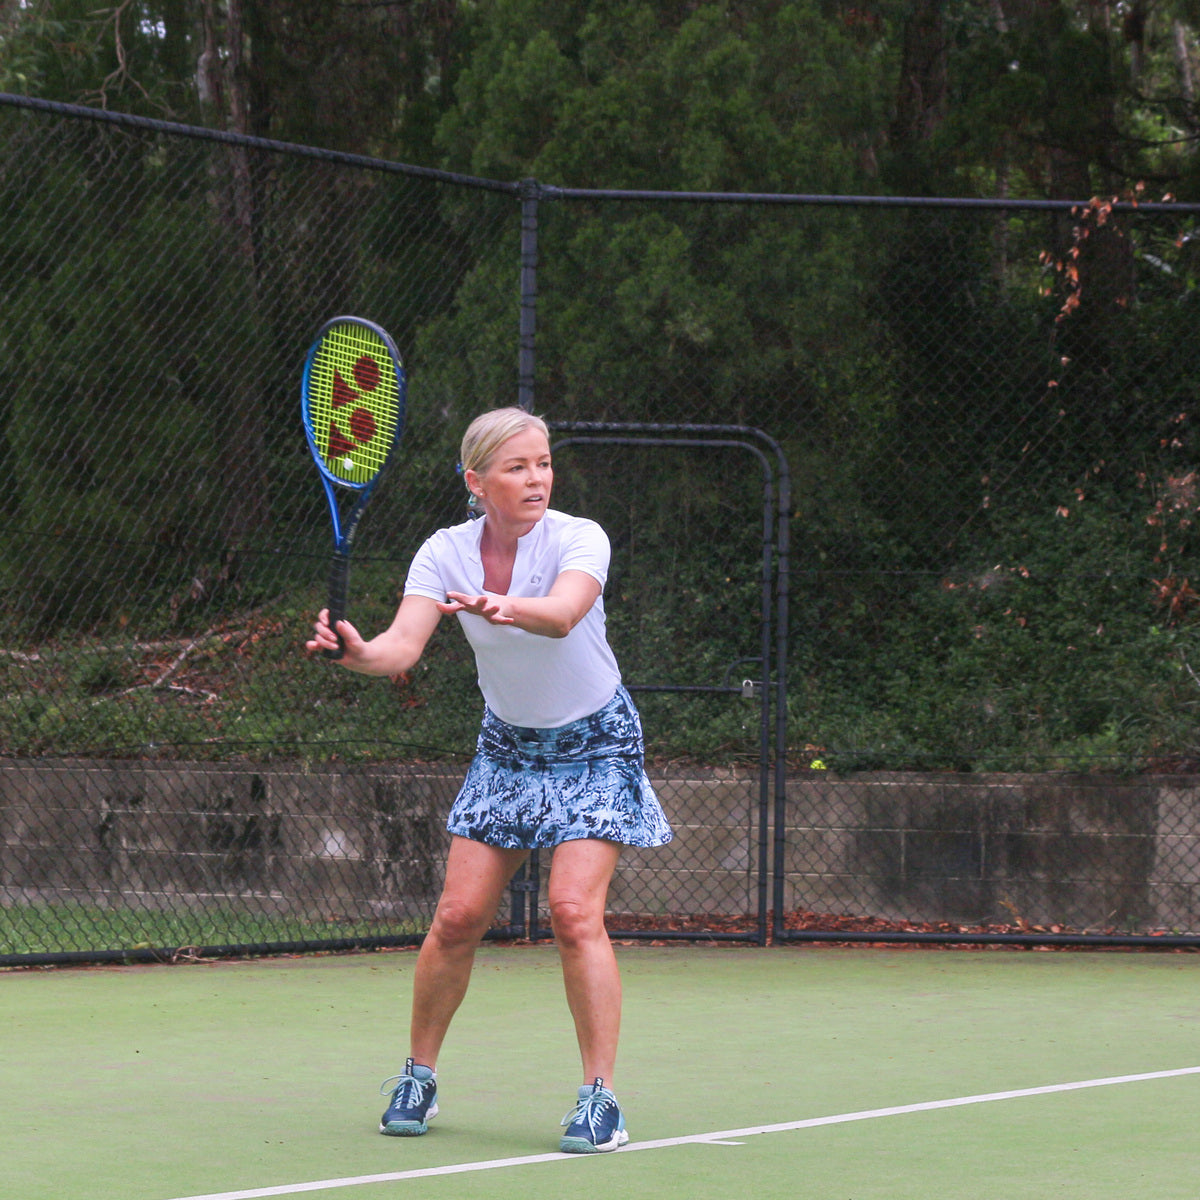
(324, 638)
(392, 652)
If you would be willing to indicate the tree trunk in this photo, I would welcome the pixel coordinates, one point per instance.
(244, 472)
(921, 95)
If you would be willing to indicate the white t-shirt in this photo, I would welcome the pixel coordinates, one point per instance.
(528, 679)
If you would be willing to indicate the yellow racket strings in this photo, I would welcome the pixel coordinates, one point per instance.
(353, 401)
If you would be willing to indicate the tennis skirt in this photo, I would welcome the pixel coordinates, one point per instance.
(529, 788)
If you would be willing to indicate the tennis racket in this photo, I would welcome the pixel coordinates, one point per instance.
(352, 403)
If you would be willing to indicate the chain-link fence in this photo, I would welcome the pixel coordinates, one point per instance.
(927, 672)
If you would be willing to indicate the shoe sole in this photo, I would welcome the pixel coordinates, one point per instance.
(574, 1145)
(408, 1128)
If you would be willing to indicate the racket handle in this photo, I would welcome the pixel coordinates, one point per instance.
(339, 582)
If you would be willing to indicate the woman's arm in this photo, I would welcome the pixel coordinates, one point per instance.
(396, 650)
(553, 615)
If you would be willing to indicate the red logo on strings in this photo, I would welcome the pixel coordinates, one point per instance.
(361, 423)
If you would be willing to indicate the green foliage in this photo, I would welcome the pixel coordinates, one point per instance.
(245, 689)
(734, 308)
(1054, 656)
(711, 97)
(1057, 654)
(80, 482)
(139, 58)
(64, 928)
(935, 416)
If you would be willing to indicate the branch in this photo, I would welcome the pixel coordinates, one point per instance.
(208, 697)
(121, 74)
(41, 656)
(178, 661)
(1187, 666)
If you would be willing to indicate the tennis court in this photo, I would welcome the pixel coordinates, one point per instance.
(851, 1074)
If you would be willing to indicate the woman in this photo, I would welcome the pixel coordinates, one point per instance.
(558, 762)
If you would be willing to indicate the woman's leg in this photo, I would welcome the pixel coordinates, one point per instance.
(476, 876)
(580, 873)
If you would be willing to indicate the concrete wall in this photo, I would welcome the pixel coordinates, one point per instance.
(1082, 851)
(346, 843)
(357, 843)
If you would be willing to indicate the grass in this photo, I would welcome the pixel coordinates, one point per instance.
(78, 928)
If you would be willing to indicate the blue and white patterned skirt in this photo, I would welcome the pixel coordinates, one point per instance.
(530, 788)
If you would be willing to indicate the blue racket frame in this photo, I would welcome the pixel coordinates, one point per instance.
(344, 530)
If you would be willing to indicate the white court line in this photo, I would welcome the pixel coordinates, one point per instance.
(722, 1137)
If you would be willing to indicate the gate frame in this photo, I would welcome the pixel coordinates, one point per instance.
(769, 689)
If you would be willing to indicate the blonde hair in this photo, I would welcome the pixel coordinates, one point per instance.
(489, 431)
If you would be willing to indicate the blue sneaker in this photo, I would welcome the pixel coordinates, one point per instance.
(596, 1123)
(413, 1104)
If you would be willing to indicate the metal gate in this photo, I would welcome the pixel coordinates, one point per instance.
(757, 678)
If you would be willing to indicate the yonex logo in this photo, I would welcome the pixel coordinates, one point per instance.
(361, 423)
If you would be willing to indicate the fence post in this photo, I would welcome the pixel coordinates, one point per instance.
(530, 194)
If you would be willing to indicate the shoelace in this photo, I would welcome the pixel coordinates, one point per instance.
(591, 1108)
(414, 1089)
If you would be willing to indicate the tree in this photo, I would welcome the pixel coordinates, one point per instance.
(739, 97)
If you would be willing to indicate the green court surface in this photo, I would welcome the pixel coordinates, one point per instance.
(746, 1072)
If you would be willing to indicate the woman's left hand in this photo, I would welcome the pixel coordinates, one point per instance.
(487, 606)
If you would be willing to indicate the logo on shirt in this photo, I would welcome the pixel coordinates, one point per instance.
(535, 579)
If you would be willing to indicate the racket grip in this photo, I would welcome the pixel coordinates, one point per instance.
(339, 582)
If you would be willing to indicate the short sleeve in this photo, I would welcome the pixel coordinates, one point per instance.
(424, 578)
(585, 547)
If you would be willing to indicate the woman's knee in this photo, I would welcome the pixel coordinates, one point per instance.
(459, 925)
(576, 920)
